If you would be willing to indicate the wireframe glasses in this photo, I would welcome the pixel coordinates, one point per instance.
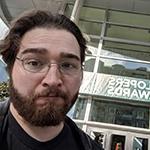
(37, 65)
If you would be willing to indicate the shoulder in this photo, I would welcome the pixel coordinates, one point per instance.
(87, 142)
(94, 145)
(4, 105)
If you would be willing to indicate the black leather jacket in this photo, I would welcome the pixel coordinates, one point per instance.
(85, 141)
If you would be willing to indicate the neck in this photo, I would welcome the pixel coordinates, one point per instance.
(39, 133)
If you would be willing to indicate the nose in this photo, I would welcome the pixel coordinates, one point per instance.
(53, 77)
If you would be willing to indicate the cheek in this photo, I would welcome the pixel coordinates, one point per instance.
(24, 82)
(73, 86)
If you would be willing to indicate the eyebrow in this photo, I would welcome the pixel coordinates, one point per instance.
(45, 51)
(35, 50)
(69, 55)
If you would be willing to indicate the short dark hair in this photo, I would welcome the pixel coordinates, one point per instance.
(36, 18)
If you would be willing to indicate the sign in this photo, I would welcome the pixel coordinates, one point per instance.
(116, 86)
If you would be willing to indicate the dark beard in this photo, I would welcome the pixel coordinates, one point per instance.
(51, 115)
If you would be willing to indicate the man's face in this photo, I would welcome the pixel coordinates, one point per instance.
(43, 93)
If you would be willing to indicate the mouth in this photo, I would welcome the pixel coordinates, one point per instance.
(44, 100)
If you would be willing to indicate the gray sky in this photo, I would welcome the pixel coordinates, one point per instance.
(3, 29)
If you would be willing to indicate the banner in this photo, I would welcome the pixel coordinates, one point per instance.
(116, 86)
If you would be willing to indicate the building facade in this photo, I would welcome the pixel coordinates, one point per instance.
(114, 100)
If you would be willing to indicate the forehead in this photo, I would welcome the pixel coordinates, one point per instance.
(52, 41)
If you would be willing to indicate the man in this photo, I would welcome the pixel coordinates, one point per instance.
(44, 54)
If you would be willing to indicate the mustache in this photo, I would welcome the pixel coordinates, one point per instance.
(53, 91)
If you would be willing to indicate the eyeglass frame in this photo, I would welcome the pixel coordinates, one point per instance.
(48, 65)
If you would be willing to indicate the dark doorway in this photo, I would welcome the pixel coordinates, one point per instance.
(118, 142)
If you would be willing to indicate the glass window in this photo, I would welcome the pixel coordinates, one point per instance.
(117, 113)
(130, 38)
(90, 22)
(93, 31)
(78, 110)
(89, 63)
(140, 143)
(124, 68)
(68, 10)
(91, 50)
(94, 41)
(124, 50)
(128, 33)
(129, 18)
(94, 14)
(91, 28)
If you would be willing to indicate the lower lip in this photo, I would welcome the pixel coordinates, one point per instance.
(45, 100)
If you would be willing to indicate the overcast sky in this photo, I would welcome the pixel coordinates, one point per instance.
(3, 29)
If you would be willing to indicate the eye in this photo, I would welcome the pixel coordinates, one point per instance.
(34, 64)
(68, 65)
